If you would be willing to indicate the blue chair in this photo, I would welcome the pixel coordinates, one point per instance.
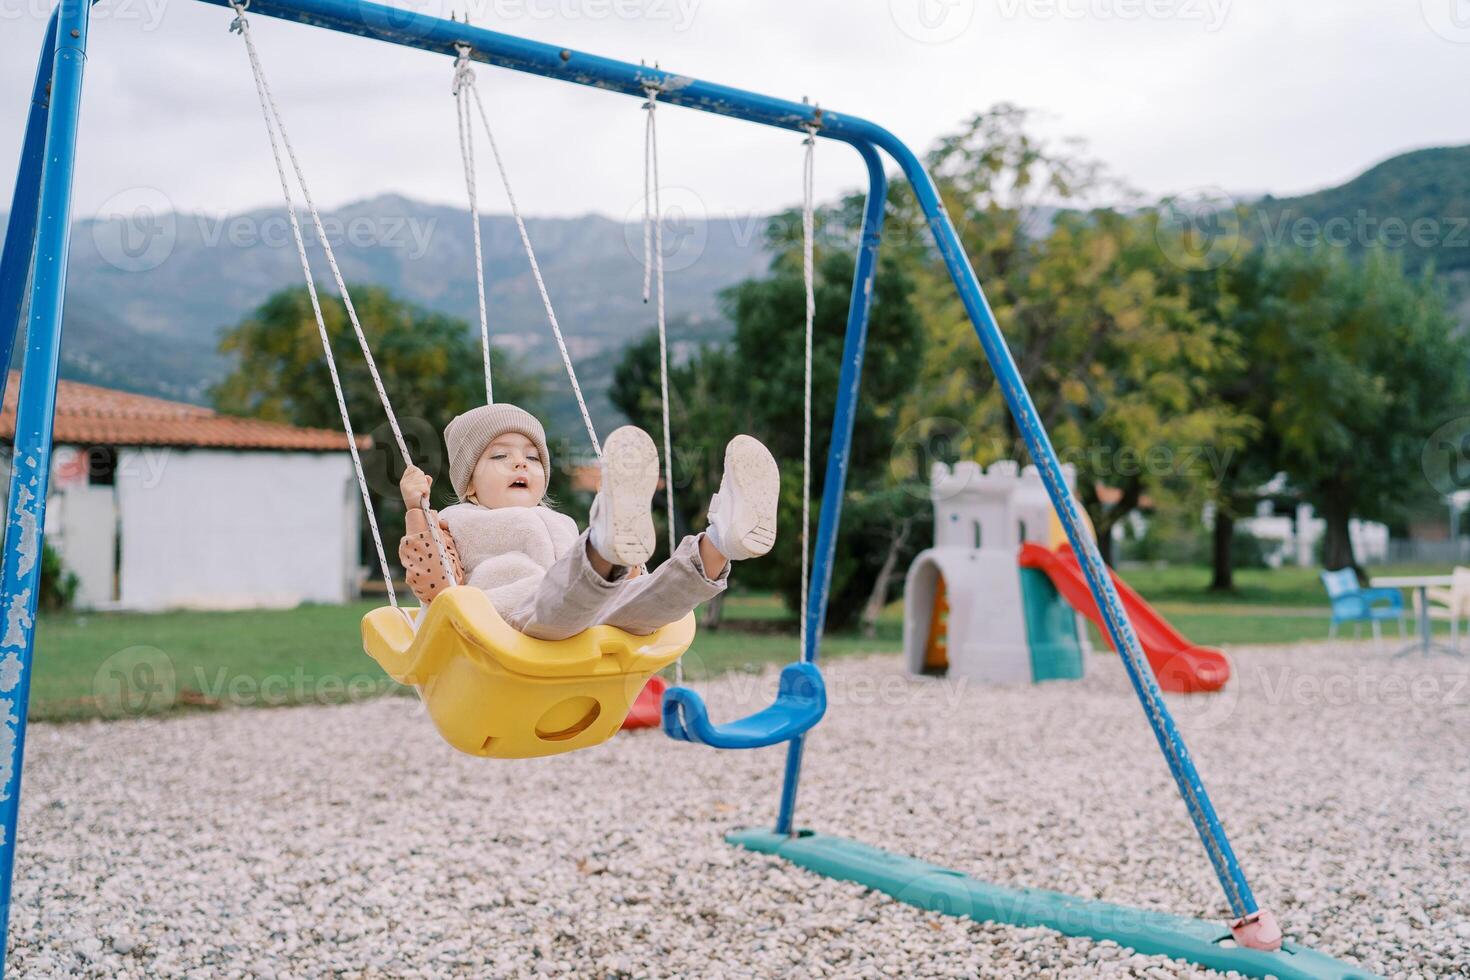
(1351, 603)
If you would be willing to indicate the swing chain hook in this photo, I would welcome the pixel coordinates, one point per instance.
(237, 26)
(464, 72)
(651, 91)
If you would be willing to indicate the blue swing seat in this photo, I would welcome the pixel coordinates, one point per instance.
(801, 700)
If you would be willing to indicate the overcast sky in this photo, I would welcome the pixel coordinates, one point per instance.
(1173, 95)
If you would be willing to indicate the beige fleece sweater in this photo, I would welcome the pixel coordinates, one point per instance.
(504, 551)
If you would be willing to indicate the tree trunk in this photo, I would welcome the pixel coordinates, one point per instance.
(1337, 545)
(878, 598)
(1223, 578)
(1107, 517)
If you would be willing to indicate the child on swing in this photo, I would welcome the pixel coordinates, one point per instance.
(544, 577)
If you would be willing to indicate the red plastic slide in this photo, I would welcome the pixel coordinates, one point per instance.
(1180, 666)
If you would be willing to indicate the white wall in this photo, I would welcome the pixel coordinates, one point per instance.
(224, 529)
(81, 524)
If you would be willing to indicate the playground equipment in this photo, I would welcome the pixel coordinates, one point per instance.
(973, 609)
(801, 700)
(647, 710)
(968, 611)
(33, 276)
(801, 697)
(1180, 666)
(493, 691)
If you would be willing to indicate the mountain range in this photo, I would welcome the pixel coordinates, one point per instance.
(151, 290)
(1416, 205)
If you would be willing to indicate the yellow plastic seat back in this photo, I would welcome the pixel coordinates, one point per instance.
(494, 691)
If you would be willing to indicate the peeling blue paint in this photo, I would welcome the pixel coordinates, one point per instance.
(18, 621)
(27, 546)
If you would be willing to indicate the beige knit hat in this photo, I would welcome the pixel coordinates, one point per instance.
(467, 435)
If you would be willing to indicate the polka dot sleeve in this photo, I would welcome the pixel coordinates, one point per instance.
(421, 565)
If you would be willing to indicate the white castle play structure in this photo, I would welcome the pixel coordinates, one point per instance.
(965, 606)
(999, 598)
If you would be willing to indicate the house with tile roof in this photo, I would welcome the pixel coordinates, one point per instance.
(158, 504)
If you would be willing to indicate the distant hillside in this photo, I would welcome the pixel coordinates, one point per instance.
(1416, 204)
(148, 298)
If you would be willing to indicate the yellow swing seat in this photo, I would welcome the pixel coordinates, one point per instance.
(493, 691)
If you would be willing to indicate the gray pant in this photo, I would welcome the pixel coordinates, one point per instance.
(573, 596)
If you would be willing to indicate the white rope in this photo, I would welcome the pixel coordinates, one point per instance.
(653, 269)
(808, 271)
(274, 127)
(566, 359)
(464, 77)
(653, 241)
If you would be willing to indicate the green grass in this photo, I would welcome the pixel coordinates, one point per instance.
(112, 664)
(1287, 586)
(125, 664)
(1224, 625)
(119, 664)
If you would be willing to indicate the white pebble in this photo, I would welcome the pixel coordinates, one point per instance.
(347, 841)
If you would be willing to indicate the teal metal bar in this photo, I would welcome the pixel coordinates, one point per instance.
(20, 570)
(939, 889)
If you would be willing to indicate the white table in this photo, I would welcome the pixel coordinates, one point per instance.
(1422, 583)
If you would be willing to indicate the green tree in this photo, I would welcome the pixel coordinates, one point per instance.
(430, 365)
(1097, 316)
(1353, 364)
(1228, 295)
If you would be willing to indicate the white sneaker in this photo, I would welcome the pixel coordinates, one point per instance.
(621, 523)
(742, 516)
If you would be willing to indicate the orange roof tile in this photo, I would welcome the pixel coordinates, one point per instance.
(89, 415)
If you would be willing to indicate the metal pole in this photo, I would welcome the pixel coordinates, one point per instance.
(859, 307)
(20, 234)
(20, 572)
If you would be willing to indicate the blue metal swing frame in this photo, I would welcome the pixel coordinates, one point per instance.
(33, 277)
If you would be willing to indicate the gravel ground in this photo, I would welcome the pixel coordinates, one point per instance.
(348, 841)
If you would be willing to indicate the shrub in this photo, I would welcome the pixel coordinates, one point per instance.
(58, 584)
